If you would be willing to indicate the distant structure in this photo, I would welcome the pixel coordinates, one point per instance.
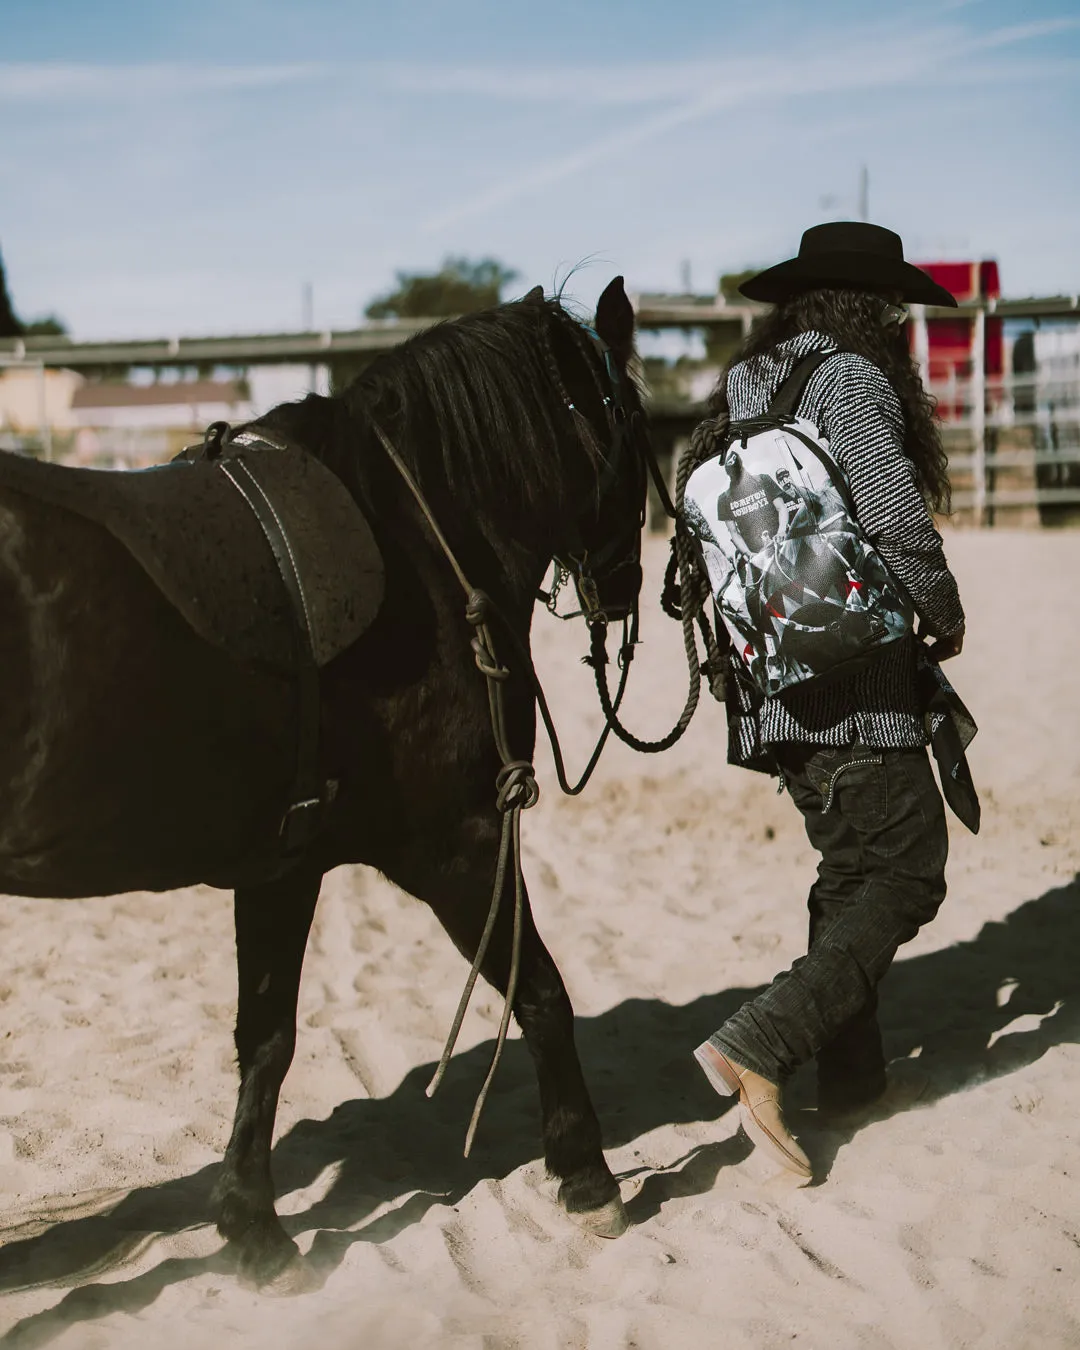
(135, 424)
(1005, 373)
(945, 344)
(185, 405)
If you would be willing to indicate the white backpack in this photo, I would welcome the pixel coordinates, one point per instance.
(801, 590)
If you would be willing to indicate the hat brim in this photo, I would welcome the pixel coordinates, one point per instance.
(859, 271)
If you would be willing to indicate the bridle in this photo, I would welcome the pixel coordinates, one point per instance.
(629, 438)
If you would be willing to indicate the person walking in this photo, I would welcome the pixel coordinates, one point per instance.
(852, 750)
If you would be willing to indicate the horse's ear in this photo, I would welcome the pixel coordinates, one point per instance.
(615, 319)
(536, 295)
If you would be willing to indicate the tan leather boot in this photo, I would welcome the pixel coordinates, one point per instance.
(759, 1107)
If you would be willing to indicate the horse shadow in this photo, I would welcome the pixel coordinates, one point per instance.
(401, 1154)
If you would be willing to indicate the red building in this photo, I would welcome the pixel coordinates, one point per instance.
(950, 341)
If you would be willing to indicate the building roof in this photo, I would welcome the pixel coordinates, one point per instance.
(168, 394)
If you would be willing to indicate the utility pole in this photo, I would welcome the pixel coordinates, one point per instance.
(864, 193)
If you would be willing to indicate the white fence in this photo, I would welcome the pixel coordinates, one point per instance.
(1013, 440)
(1012, 443)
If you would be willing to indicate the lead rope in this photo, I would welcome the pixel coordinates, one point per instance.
(516, 790)
(692, 591)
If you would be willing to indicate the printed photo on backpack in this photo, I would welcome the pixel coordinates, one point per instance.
(800, 588)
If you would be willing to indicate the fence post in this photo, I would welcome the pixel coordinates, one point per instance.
(978, 414)
(921, 343)
(43, 413)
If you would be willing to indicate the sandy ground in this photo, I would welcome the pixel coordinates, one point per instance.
(669, 892)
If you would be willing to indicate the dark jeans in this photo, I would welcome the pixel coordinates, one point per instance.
(878, 821)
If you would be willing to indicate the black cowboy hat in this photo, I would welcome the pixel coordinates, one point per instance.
(850, 254)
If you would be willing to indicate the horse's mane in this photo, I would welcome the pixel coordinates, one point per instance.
(488, 393)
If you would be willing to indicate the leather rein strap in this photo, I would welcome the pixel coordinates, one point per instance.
(515, 783)
(516, 791)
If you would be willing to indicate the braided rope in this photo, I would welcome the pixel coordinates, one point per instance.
(694, 594)
(706, 440)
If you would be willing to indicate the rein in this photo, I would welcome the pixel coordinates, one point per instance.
(515, 784)
(684, 599)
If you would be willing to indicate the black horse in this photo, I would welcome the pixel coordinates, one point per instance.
(135, 755)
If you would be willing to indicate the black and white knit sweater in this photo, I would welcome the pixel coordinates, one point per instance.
(856, 409)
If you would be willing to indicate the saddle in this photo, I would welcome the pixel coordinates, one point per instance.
(263, 551)
(192, 530)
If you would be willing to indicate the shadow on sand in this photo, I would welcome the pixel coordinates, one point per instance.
(406, 1148)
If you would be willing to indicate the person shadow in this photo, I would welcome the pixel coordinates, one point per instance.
(394, 1157)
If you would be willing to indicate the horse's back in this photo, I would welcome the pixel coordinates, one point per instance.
(198, 530)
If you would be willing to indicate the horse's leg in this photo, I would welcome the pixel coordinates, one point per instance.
(456, 881)
(272, 923)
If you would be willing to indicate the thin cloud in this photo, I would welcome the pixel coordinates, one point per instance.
(46, 82)
(667, 82)
(784, 79)
(589, 85)
(859, 67)
(638, 83)
(596, 152)
(1042, 69)
(1022, 32)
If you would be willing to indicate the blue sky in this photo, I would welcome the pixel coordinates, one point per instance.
(187, 168)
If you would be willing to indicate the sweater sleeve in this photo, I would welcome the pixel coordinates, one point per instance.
(863, 421)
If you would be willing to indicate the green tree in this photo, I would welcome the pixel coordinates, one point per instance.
(9, 324)
(722, 341)
(731, 281)
(50, 326)
(459, 287)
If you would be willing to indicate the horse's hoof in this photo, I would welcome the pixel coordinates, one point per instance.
(298, 1277)
(609, 1221)
(274, 1265)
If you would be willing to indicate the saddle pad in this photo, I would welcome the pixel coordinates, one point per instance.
(200, 543)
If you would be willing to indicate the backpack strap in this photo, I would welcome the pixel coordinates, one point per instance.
(789, 395)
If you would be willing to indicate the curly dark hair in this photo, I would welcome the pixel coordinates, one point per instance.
(853, 320)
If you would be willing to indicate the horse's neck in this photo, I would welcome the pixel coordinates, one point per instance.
(509, 542)
(500, 546)
(492, 550)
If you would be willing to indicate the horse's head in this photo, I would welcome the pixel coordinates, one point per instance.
(523, 427)
(601, 535)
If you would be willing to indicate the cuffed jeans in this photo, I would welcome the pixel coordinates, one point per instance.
(878, 821)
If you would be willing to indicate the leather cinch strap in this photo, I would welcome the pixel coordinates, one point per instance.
(301, 821)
